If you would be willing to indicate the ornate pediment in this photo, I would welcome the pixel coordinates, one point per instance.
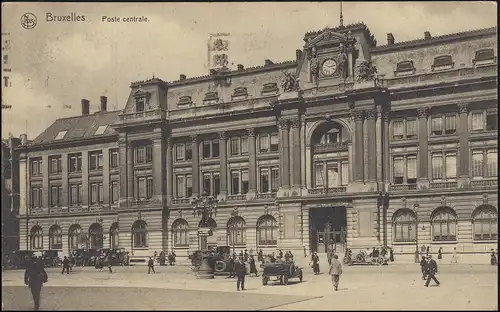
(327, 37)
(140, 93)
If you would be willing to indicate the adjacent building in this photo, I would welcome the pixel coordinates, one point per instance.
(392, 144)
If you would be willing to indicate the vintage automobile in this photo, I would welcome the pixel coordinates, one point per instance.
(117, 256)
(18, 259)
(283, 271)
(376, 255)
(51, 258)
(218, 258)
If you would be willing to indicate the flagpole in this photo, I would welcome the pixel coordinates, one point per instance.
(341, 16)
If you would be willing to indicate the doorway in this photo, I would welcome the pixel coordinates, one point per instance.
(327, 228)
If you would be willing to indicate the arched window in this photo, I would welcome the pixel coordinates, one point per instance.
(333, 135)
(55, 237)
(444, 224)
(236, 231)
(95, 235)
(209, 224)
(485, 221)
(113, 236)
(404, 226)
(36, 237)
(180, 233)
(267, 231)
(76, 238)
(140, 234)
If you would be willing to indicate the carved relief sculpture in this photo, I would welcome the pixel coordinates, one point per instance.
(423, 112)
(314, 65)
(289, 83)
(343, 62)
(365, 71)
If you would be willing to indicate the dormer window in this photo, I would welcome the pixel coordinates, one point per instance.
(141, 100)
(185, 101)
(100, 130)
(271, 87)
(484, 56)
(140, 104)
(443, 62)
(61, 135)
(211, 98)
(240, 92)
(404, 68)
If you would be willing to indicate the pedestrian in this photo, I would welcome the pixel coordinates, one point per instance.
(391, 255)
(493, 260)
(305, 252)
(34, 277)
(417, 257)
(291, 255)
(65, 265)
(110, 263)
(440, 253)
(280, 254)
(246, 255)
(287, 257)
(329, 256)
(423, 268)
(428, 250)
(241, 271)
(315, 263)
(231, 265)
(335, 271)
(423, 249)
(454, 257)
(253, 267)
(151, 265)
(432, 269)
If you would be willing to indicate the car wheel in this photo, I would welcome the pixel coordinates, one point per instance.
(285, 279)
(265, 279)
(380, 261)
(220, 266)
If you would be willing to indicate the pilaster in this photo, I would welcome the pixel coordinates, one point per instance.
(64, 179)
(223, 165)
(195, 165)
(463, 130)
(385, 147)
(122, 155)
(284, 156)
(105, 177)
(159, 163)
(358, 149)
(294, 168)
(170, 172)
(45, 181)
(85, 178)
(371, 115)
(130, 170)
(423, 146)
(252, 168)
(303, 157)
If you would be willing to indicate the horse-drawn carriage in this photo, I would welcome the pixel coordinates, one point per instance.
(283, 271)
(375, 255)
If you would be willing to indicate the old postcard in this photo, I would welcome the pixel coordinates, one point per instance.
(250, 156)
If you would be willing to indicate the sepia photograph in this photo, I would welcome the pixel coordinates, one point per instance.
(249, 156)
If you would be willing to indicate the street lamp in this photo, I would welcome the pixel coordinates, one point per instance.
(415, 210)
(206, 207)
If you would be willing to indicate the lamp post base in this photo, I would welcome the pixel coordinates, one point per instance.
(205, 271)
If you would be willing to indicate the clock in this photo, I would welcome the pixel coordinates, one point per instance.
(329, 67)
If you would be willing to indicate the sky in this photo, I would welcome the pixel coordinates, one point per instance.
(56, 64)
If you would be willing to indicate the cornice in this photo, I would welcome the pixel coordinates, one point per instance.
(68, 143)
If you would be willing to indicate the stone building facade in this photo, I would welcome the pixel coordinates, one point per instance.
(350, 143)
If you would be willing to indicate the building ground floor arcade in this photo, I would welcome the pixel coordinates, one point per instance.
(467, 222)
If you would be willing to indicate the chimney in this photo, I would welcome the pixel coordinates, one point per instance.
(85, 107)
(427, 35)
(182, 77)
(268, 62)
(213, 72)
(298, 54)
(241, 67)
(390, 39)
(104, 103)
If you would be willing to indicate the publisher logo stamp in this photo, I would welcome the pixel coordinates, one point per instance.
(28, 20)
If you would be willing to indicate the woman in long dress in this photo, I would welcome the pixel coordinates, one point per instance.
(253, 268)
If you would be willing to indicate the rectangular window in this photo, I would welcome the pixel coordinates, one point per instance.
(215, 148)
(264, 180)
(491, 121)
(101, 193)
(55, 165)
(235, 146)
(235, 182)
(492, 163)
(189, 152)
(141, 188)
(332, 172)
(345, 172)
(180, 186)
(274, 142)
(80, 194)
(96, 161)
(54, 196)
(216, 180)
(437, 166)
(451, 165)
(113, 159)
(140, 156)
(94, 193)
(36, 167)
(73, 195)
(411, 128)
(398, 171)
(189, 186)
(36, 197)
(206, 149)
(244, 145)
(179, 151)
(411, 169)
(115, 192)
(319, 174)
(207, 183)
(75, 163)
(477, 121)
(397, 126)
(59, 195)
(264, 143)
(275, 179)
(149, 187)
(244, 182)
(149, 154)
(450, 123)
(477, 163)
(437, 125)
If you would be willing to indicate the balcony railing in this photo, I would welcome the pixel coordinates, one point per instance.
(326, 147)
(147, 202)
(266, 195)
(484, 183)
(443, 185)
(403, 187)
(178, 201)
(328, 191)
(237, 197)
(145, 115)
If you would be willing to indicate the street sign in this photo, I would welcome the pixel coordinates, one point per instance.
(205, 232)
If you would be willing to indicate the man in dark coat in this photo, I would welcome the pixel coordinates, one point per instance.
(35, 276)
(253, 267)
(241, 271)
(231, 265)
(423, 268)
(151, 265)
(432, 270)
(65, 265)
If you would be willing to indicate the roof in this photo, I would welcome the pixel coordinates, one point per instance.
(79, 127)
(437, 39)
(344, 29)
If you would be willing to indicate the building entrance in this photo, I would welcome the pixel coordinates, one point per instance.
(327, 229)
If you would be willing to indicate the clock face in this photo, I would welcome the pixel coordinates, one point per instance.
(329, 67)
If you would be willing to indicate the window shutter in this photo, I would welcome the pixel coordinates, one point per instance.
(411, 127)
(437, 166)
(345, 172)
(477, 163)
(411, 165)
(451, 166)
(398, 167)
(451, 122)
(437, 124)
(398, 128)
(492, 163)
(477, 121)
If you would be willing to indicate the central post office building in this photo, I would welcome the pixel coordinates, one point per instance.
(352, 143)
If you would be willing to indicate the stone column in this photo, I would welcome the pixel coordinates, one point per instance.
(122, 154)
(45, 182)
(372, 145)
(295, 167)
(159, 165)
(385, 150)
(252, 165)
(423, 144)
(130, 170)
(463, 131)
(170, 171)
(64, 176)
(285, 154)
(105, 177)
(223, 164)
(303, 154)
(358, 149)
(85, 178)
(196, 165)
